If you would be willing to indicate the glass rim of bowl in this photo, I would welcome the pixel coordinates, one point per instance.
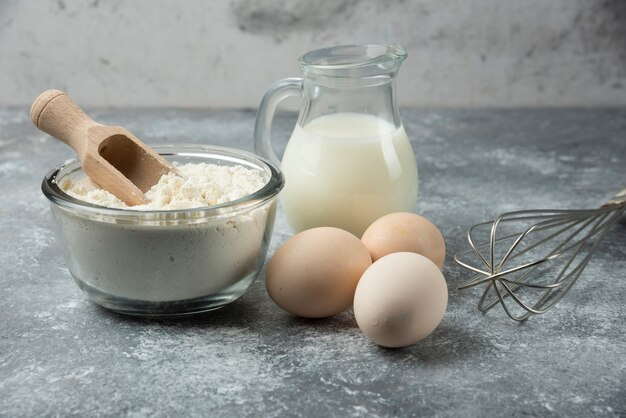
(270, 189)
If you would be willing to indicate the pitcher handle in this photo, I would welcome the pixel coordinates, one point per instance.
(264, 117)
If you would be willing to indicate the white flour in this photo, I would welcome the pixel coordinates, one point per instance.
(215, 258)
(198, 185)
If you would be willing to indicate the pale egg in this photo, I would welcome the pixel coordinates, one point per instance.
(314, 274)
(403, 231)
(400, 299)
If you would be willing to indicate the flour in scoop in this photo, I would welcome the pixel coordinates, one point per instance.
(195, 185)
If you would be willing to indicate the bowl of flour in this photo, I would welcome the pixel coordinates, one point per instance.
(197, 245)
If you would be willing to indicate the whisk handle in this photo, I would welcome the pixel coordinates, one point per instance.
(618, 199)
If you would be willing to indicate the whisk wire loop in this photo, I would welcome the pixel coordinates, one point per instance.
(542, 239)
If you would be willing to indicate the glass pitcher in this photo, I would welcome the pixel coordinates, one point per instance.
(348, 161)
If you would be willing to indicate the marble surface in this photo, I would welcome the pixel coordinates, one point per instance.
(63, 355)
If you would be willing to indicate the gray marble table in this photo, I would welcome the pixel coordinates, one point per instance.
(62, 355)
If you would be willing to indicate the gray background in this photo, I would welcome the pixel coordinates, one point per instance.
(223, 54)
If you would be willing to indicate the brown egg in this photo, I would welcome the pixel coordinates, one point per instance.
(314, 274)
(403, 231)
(400, 299)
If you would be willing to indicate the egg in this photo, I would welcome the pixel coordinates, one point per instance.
(403, 231)
(314, 274)
(400, 299)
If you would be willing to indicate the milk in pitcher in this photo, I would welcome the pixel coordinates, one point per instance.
(346, 170)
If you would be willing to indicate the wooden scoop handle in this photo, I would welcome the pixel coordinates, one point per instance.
(56, 114)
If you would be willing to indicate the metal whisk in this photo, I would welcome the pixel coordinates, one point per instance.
(534, 256)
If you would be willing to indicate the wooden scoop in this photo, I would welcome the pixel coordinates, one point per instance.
(110, 155)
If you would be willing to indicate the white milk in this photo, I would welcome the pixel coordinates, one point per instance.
(346, 170)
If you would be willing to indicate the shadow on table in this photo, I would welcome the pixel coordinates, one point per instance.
(341, 321)
(448, 342)
(240, 313)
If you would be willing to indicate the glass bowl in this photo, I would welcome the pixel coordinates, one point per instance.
(167, 262)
